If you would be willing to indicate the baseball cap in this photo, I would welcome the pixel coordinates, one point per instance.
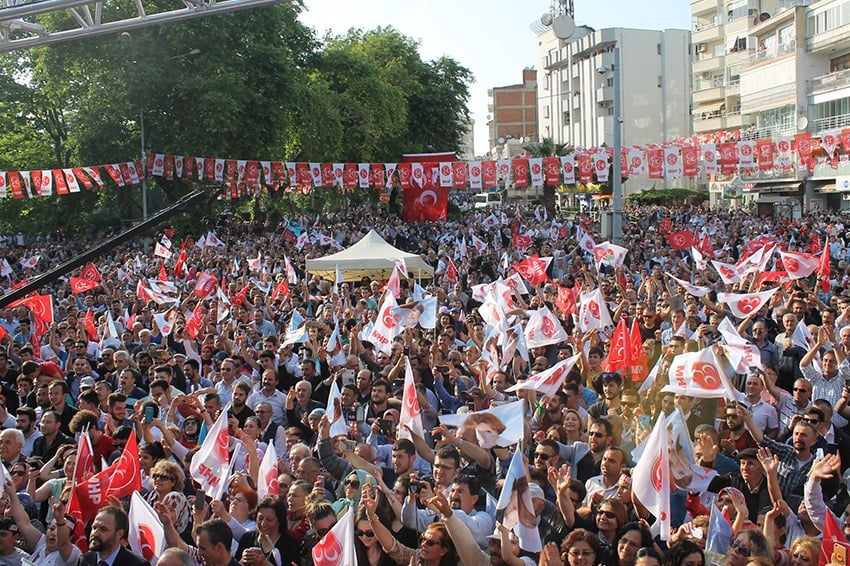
(87, 381)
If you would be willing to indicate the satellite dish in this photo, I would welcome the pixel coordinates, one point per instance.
(563, 26)
(546, 19)
(802, 123)
(501, 141)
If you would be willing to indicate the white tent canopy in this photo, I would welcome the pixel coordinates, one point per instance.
(370, 257)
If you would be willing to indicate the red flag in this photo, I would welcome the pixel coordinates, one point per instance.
(681, 240)
(584, 163)
(281, 290)
(91, 273)
(804, 147)
(163, 274)
(451, 272)
(459, 174)
(125, 475)
(205, 284)
(690, 160)
(193, 325)
(90, 327)
(239, 298)
(532, 269)
(521, 241)
(666, 225)
(488, 174)
(552, 170)
(566, 301)
(764, 151)
(520, 167)
(620, 352)
(426, 202)
(638, 363)
(80, 285)
(180, 264)
(41, 306)
(705, 248)
(823, 270)
(832, 534)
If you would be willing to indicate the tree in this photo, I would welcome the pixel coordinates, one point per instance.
(548, 148)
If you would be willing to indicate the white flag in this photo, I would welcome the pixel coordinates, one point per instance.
(651, 477)
(337, 547)
(699, 374)
(337, 419)
(210, 464)
(388, 325)
(518, 507)
(692, 289)
(161, 251)
(744, 304)
(267, 481)
(146, 534)
(410, 413)
(549, 381)
(544, 328)
(593, 312)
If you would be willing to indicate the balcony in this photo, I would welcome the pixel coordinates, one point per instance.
(604, 92)
(707, 64)
(708, 94)
(701, 7)
(830, 82)
(733, 87)
(830, 123)
(769, 98)
(706, 34)
(828, 41)
(769, 54)
(708, 124)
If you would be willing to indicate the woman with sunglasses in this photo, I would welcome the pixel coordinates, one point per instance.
(168, 481)
(611, 515)
(369, 550)
(435, 549)
(745, 545)
(351, 491)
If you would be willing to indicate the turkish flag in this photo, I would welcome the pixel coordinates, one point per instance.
(281, 290)
(681, 240)
(180, 264)
(425, 202)
(80, 285)
(451, 273)
(193, 324)
(239, 298)
(833, 534)
(206, 284)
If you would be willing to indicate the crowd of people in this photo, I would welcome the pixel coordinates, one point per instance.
(774, 457)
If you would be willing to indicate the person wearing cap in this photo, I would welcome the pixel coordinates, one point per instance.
(10, 554)
(750, 480)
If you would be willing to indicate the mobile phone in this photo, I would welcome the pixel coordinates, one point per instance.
(407, 350)
(471, 406)
(386, 426)
(360, 414)
(442, 369)
(200, 499)
(348, 376)
(320, 480)
(697, 533)
(148, 415)
(644, 421)
(839, 555)
(347, 445)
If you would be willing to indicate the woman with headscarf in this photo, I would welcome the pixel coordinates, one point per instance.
(351, 491)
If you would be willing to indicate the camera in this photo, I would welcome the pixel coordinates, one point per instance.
(417, 484)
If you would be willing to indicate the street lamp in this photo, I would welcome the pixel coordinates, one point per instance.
(127, 37)
(617, 165)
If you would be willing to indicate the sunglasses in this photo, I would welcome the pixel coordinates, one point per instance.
(740, 547)
(430, 542)
(369, 534)
(598, 434)
(18, 473)
(162, 477)
(608, 514)
(352, 483)
(541, 455)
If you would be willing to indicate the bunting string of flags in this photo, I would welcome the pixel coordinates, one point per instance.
(715, 153)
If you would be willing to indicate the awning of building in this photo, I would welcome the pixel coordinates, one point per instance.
(708, 107)
(777, 187)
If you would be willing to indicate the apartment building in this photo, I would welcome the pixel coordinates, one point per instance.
(512, 119)
(575, 87)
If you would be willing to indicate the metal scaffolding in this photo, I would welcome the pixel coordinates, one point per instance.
(89, 19)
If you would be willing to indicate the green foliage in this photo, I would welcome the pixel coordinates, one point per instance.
(255, 84)
(665, 196)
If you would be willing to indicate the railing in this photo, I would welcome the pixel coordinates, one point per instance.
(768, 132)
(830, 123)
(831, 81)
(768, 54)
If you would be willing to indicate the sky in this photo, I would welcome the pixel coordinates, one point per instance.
(491, 38)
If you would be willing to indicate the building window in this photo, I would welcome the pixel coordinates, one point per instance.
(839, 63)
(660, 82)
(658, 45)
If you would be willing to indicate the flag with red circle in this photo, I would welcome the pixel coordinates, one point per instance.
(651, 477)
(743, 305)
